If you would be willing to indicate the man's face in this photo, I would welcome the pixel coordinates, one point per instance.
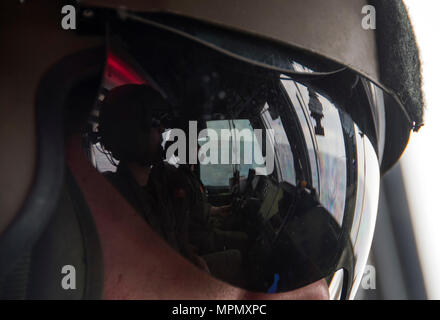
(155, 150)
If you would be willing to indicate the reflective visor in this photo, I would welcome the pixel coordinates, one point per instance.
(280, 182)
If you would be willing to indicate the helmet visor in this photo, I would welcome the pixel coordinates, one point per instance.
(289, 182)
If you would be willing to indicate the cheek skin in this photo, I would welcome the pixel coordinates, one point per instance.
(155, 138)
(138, 264)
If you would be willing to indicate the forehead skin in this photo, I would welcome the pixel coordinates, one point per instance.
(138, 263)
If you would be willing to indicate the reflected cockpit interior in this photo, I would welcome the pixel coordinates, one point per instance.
(263, 178)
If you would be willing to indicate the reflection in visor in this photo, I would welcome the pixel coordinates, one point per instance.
(367, 200)
(268, 231)
(331, 145)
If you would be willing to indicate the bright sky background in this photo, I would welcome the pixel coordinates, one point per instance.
(421, 161)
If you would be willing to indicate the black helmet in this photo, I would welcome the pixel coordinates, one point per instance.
(125, 122)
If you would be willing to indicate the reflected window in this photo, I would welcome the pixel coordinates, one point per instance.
(239, 151)
(283, 149)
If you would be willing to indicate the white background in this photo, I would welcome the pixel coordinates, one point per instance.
(421, 161)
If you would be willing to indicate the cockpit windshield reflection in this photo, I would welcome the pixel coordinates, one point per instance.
(256, 188)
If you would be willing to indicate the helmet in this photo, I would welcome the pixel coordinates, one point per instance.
(126, 120)
(313, 97)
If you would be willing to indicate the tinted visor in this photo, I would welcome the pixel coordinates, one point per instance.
(281, 184)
